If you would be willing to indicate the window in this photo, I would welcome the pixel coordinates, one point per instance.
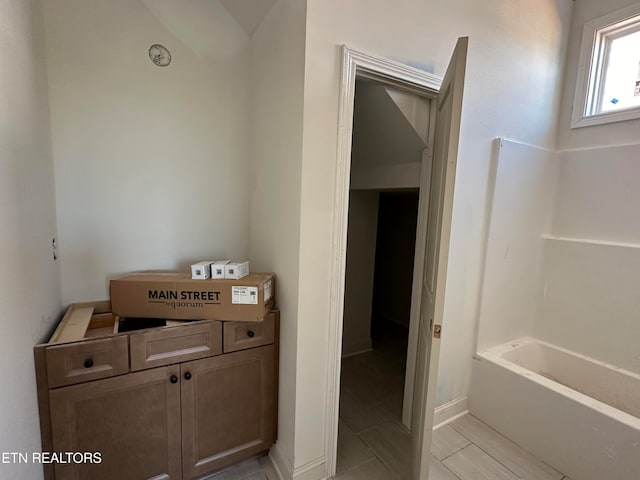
(608, 87)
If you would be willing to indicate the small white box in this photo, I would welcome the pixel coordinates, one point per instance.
(236, 270)
(217, 268)
(201, 270)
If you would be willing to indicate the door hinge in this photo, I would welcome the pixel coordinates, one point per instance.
(437, 331)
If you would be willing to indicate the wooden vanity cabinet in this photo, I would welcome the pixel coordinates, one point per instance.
(227, 409)
(132, 420)
(181, 409)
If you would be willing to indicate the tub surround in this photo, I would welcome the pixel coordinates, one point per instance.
(592, 257)
(524, 179)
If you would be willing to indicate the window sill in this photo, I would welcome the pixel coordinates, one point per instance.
(608, 117)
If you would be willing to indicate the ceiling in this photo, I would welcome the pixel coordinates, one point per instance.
(382, 133)
(248, 13)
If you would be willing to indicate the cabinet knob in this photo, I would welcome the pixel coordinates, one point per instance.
(187, 375)
(251, 334)
(173, 379)
(88, 363)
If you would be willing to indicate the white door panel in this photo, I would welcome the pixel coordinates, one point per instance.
(445, 154)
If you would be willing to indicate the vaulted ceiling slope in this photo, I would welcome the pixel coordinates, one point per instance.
(248, 13)
(383, 131)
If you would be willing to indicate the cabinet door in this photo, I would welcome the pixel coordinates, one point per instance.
(227, 409)
(133, 421)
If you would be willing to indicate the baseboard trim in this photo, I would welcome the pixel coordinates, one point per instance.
(282, 467)
(450, 411)
(359, 352)
(314, 470)
(356, 348)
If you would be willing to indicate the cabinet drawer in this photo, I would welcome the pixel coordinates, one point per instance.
(90, 360)
(242, 335)
(176, 344)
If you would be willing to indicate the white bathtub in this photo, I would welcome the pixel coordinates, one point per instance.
(577, 414)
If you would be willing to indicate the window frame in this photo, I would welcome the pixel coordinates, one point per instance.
(596, 39)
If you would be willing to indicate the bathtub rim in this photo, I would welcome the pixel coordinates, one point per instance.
(495, 356)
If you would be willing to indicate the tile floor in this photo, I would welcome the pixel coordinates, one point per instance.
(373, 444)
(254, 469)
(465, 449)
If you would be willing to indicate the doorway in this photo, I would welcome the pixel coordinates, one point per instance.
(436, 180)
(390, 136)
(380, 256)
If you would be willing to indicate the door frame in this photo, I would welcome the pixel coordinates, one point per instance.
(356, 64)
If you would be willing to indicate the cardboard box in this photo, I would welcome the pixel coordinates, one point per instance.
(236, 270)
(217, 268)
(177, 296)
(201, 270)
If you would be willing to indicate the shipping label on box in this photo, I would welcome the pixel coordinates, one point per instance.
(268, 291)
(177, 296)
(244, 295)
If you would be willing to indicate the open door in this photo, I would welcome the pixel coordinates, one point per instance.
(444, 162)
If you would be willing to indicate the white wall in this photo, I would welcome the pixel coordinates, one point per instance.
(277, 72)
(521, 211)
(29, 277)
(361, 257)
(515, 63)
(151, 163)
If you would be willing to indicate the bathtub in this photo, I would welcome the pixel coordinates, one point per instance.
(577, 414)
